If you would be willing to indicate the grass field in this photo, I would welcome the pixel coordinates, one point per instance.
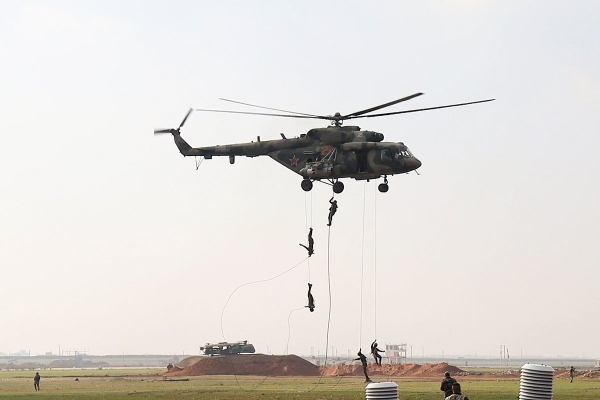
(146, 384)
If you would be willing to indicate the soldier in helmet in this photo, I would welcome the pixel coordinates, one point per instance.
(572, 373)
(332, 209)
(311, 300)
(363, 361)
(311, 243)
(447, 383)
(375, 351)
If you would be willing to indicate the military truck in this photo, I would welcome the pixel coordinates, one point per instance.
(227, 348)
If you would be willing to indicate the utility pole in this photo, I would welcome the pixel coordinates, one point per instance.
(502, 353)
(411, 352)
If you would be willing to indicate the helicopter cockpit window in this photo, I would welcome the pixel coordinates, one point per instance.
(386, 155)
(402, 154)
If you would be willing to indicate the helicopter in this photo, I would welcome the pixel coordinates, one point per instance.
(322, 154)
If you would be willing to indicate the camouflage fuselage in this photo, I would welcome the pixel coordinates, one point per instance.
(322, 153)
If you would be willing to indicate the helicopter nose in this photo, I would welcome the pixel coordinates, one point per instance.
(413, 163)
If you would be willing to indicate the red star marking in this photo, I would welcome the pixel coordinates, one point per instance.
(294, 160)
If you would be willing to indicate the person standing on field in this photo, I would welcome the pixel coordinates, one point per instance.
(572, 373)
(36, 381)
(447, 383)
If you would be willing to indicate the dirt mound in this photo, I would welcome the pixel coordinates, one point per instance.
(559, 373)
(186, 362)
(590, 374)
(438, 369)
(392, 370)
(342, 370)
(21, 366)
(249, 364)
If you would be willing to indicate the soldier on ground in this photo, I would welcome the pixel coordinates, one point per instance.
(311, 300)
(375, 351)
(447, 383)
(332, 209)
(311, 243)
(456, 394)
(36, 381)
(363, 360)
(572, 373)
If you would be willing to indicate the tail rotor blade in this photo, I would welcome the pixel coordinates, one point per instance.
(161, 131)
(185, 118)
(174, 131)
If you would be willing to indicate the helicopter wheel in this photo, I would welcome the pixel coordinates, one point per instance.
(383, 187)
(306, 185)
(338, 187)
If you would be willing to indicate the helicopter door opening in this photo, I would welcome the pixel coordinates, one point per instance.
(361, 161)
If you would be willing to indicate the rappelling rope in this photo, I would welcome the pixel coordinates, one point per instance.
(251, 283)
(362, 263)
(329, 313)
(329, 287)
(306, 226)
(375, 262)
(328, 319)
(223, 312)
(290, 329)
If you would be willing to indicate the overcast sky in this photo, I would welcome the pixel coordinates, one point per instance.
(111, 241)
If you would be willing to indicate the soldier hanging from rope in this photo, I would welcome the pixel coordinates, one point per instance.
(375, 351)
(363, 360)
(311, 243)
(311, 300)
(332, 209)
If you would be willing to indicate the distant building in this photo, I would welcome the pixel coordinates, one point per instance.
(597, 364)
(396, 353)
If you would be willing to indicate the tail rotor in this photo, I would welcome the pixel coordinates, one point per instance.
(174, 131)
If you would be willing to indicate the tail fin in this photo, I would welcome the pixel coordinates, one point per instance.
(182, 145)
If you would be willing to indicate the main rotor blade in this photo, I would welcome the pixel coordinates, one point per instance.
(268, 114)
(391, 103)
(269, 108)
(185, 118)
(420, 109)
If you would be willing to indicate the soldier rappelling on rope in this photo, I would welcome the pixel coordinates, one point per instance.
(311, 300)
(311, 243)
(363, 361)
(332, 209)
(375, 351)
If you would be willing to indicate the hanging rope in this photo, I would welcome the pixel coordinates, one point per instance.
(252, 283)
(290, 329)
(329, 287)
(306, 225)
(375, 261)
(362, 264)
(223, 332)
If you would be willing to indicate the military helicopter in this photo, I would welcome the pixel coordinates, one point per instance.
(322, 154)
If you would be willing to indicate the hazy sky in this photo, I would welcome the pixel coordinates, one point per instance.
(112, 242)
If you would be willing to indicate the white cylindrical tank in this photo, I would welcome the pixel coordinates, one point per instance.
(382, 391)
(536, 382)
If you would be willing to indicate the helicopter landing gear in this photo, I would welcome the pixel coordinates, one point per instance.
(306, 185)
(383, 187)
(338, 187)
